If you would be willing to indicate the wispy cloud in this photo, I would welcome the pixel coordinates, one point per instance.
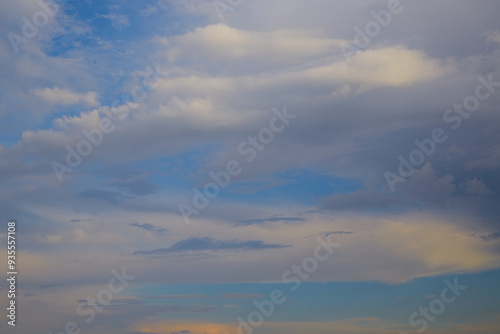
(268, 220)
(112, 197)
(149, 227)
(491, 236)
(148, 10)
(209, 244)
(118, 21)
(81, 220)
(226, 295)
(328, 233)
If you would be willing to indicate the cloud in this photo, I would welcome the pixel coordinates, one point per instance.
(491, 236)
(285, 220)
(326, 234)
(424, 187)
(134, 185)
(365, 199)
(118, 21)
(209, 244)
(112, 197)
(494, 37)
(66, 97)
(427, 187)
(220, 42)
(220, 296)
(375, 67)
(488, 158)
(353, 119)
(149, 227)
(148, 10)
(477, 187)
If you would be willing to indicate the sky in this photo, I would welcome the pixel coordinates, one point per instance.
(250, 166)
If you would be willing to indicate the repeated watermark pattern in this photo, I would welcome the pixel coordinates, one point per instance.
(248, 150)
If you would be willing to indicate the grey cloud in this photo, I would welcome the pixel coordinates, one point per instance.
(220, 296)
(112, 197)
(137, 187)
(131, 182)
(268, 220)
(149, 227)
(367, 199)
(326, 234)
(477, 187)
(491, 237)
(209, 244)
(423, 187)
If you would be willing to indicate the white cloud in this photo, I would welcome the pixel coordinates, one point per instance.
(118, 21)
(66, 97)
(221, 42)
(148, 10)
(494, 37)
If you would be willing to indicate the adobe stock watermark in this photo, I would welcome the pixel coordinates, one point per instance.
(249, 148)
(224, 6)
(426, 147)
(103, 298)
(296, 275)
(372, 29)
(29, 29)
(120, 109)
(436, 306)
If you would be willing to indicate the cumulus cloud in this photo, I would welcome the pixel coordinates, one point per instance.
(477, 187)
